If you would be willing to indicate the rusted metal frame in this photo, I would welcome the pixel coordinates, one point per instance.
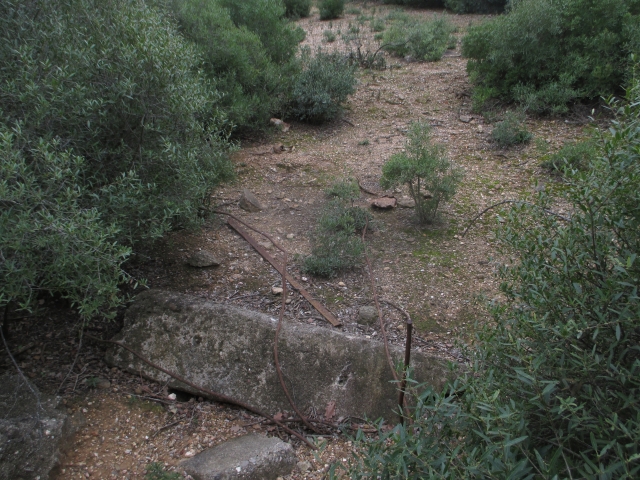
(292, 281)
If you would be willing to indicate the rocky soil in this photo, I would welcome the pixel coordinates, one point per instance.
(432, 272)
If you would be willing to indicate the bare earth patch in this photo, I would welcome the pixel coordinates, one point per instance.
(431, 271)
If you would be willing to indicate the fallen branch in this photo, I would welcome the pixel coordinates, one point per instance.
(210, 393)
(503, 202)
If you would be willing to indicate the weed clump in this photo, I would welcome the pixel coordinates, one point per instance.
(511, 131)
(425, 169)
(337, 244)
(422, 40)
(572, 156)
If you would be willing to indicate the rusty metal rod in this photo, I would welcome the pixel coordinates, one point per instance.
(407, 360)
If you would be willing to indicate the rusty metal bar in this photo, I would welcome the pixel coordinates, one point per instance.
(294, 283)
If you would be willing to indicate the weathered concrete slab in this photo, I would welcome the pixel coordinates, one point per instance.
(230, 350)
(33, 433)
(250, 457)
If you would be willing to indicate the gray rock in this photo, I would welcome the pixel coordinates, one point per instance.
(229, 350)
(249, 202)
(367, 315)
(250, 457)
(406, 202)
(33, 433)
(466, 118)
(203, 258)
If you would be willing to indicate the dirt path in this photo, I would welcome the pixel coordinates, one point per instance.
(432, 272)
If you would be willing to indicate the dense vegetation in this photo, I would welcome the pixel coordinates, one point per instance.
(545, 54)
(106, 123)
(553, 389)
(116, 119)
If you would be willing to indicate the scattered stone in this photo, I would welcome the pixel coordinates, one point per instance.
(304, 466)
(33, 433)
(276, 290)
(202, 259)
(290, 236)
(249, 202)
(406, 202)
(341, 284)
(465, 118)
(367, 315)
(228, 349)
(266, 244)
(250, 457)
(280, 125)
(384, 203)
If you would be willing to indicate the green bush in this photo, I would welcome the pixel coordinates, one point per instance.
(330, 9)
(511, 130)
(249, 53)
(422, 167)
(476, 6)
(323, 86)
(156, 471)
(426, 40)
(574, 156)
(546, 54)
(116, 139)
(553, 386)
(297, 8)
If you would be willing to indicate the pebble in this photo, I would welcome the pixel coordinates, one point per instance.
(341, 284)
(276, 290)
(290, 236)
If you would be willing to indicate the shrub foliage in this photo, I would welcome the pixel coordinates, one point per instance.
(326, 81)
(249, 53)
(110, 135)
(330, 9)
(424, 168)
(553, 389)
(547, 53)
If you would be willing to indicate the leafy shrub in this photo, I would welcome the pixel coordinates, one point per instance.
(546, 54)
(330, 9)
(335, 245)
(574, 156)
(476, 6)
(553, 387)
(423, 166)
(249, 53)
(329, 36)
(110, 136)
(297, 8)
(426, 40)
(323, 86)
(511, 130)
